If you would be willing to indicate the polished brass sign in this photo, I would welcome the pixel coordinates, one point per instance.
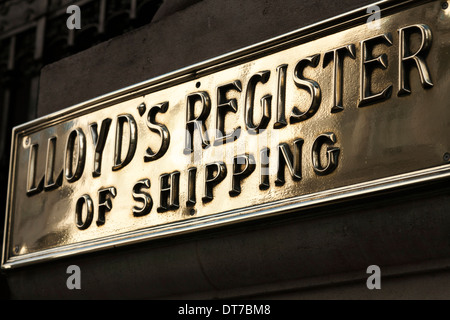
(339, 109)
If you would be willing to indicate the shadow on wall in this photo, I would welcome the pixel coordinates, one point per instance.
(4, 290)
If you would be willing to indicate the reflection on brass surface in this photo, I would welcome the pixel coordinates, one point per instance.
(331, 111)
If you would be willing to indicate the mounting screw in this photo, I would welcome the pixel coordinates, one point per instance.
(444, 5)
(447, 157)
(192, 212)
(26, 142)
(16, 249)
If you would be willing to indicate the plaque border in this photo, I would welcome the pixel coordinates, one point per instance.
(302, 35)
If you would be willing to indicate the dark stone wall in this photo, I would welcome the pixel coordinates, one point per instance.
(201, 31)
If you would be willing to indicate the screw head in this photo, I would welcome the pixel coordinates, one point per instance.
(447, 157)
(26, 142)
(444, 5)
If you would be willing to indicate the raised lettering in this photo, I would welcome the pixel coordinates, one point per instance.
(266, 103)
(99, 144)
(50, 183)
(368, 64)
(417, 59)
(76, 138)
(214, 174)
(337, 56)
(243, 166)
(197, 123)
(309, 85)
(293, 162)
(105, 203)
(224, 106)
(192, 179)
(264, 183)
(141, 196)
(132, 128)
(84, 200)
(332, 154)
(159, 128)
(281, 97)
(32, 186)
(170, 192)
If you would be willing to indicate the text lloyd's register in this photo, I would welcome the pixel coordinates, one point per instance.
(336, 110)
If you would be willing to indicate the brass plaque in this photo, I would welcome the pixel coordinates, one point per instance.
(339, 109)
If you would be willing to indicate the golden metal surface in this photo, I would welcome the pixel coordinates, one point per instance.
(339, 109)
